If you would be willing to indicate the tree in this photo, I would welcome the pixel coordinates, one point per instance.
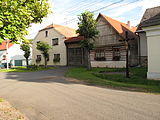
(17, 15)
(26, 48)
(87, 28)
(44, 48)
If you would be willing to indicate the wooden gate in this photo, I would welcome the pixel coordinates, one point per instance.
(75, 56)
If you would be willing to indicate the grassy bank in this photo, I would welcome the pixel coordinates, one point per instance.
(24, 69)
(137, 82)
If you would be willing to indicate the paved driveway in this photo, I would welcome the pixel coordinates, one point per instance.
(47, 95)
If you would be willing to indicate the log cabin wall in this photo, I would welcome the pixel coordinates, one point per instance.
(107, 35)
(107, 43)
(110, 48)
(109, 51)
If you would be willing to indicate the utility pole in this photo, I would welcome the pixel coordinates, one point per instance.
(7, 53)
(127, 57)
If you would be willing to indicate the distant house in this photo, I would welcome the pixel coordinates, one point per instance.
(55, 35)
(14, 56)
(142, 43)
(150, 25)
(110, 45)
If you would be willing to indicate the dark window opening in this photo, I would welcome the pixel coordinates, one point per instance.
(38, 41)
(116, 54)
(54, 41)
(48, 58)
(56, 58)
(100, 55)
(38, 59)
(46, 33)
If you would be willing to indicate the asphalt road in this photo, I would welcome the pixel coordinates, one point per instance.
(47, 95)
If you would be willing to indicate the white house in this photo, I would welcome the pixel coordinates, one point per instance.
(14, 56)
(54, 35)
(151, 26)
(142, 43)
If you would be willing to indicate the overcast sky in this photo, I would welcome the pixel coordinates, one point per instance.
(65, 11)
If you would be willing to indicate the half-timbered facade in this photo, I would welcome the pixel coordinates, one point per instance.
(110, 44)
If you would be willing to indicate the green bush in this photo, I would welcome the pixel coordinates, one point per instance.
(33, 67)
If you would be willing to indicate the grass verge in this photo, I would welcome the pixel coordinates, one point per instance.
(137, 82)
(24, 69)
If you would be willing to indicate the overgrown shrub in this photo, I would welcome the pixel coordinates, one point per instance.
(33, 67)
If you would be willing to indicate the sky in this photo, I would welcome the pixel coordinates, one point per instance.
(65, 12)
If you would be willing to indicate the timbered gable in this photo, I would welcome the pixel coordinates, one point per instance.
(107, 34)
(110, 46)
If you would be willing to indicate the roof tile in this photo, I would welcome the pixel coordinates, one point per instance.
(3, 45)
(120, 27)
(66, 31)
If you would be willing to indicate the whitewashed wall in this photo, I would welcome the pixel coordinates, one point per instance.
(153, 42)
(57, 49)
(15, 53)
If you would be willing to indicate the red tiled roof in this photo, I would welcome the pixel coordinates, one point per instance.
(134, 29)
(3, 45)
(66, 31)
(119, 26)
(74, 39)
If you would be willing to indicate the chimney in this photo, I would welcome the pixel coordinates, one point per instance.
(129, 24)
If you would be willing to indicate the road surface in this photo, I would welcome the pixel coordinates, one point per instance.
(47, 95)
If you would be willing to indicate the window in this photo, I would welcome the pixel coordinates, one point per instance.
(116, 54)
(4, 57)
(38, 41)
(38, 58)
(100, 55)
(54, 41)
(56, 58)
(46, 33)
(48, 58)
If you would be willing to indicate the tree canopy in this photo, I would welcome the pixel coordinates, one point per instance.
(26, 48)
(44, 48)
(17, 15)
(87, 28)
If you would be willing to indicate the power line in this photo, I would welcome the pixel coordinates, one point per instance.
(73, 7)
(108, 5)
(123, 5)
(100, 9)
(85, 6)
(72, 20)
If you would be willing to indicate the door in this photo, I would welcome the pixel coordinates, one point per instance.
(75, 56)
(18, 63)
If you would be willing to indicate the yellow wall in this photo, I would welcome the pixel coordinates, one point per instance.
(58, 49)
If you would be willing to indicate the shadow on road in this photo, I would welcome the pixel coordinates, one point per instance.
(47, 76)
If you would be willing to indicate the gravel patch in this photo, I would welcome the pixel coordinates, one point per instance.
(7, 112)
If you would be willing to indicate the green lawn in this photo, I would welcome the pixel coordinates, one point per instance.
(137, 82)
(24, 69)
